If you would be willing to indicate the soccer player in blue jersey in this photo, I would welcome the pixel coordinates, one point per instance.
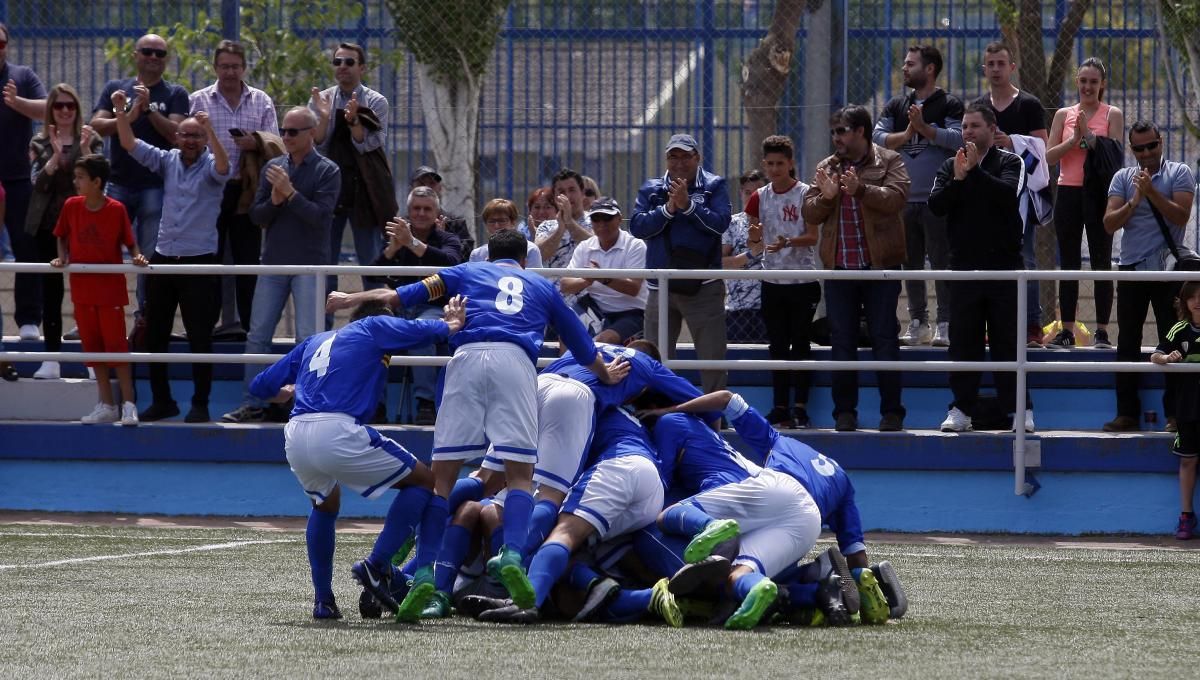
(490, 392)
(620, 492)
(337, 378)
(822, 479)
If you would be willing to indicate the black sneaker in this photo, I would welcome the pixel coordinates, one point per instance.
(781, 418)
(889, 583)
(245, 414)
(277, 413)
(197, 414)
(426, 414)
(377, 582)
(159, 411)
(830, 601)
(833, 560)
(368, 606)
(1064, 340)
(326, 610)
(710, 572)
(476, 606)
(891, 422)
(1100, 339)
(511, 614)
(846, 422)
(800, 417)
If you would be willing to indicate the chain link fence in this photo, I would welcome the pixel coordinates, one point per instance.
(598, 86)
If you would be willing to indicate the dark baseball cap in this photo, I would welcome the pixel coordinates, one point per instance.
(422, 172)
(685, 142)
(605, 206)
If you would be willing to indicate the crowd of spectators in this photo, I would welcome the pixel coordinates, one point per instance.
(215, 176)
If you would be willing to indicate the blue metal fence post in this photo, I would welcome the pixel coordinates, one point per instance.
(841, 40)
(708, 22)
(231, 19)
(4, 10)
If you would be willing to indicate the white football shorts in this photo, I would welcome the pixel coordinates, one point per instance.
(326, 448)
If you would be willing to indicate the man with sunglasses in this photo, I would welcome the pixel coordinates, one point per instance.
(1140, 199)
(155, 108)
(238, 112)
(24, 101)
(621, 300)
(294, 205)
(351, 129)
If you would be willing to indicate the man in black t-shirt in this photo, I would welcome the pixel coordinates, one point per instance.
(1017, 113)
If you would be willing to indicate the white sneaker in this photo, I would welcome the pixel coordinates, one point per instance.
(103, 413)
(942, 337)
(917, 333)
(91, 373)
(29, 332)
(129, 414)
(49, 370)
(1029, 420)
(956, 421)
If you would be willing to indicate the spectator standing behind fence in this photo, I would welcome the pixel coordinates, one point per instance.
(1144, 201)
(788, 305)
(978, 192)
(539, 207)
(682, 216)
(7, 371)
(1019, 115)
(156, 108)
(558, 237)
(742, 248)
(426, 176)
(500, 214)
(294, 205)
(238, 112)
(194, 178)
(925, 126)
(91, 229)
(24, 101)
(859, 196)
(1182, 343)
(63, 140)
(620, 300)
(1078, 208)
(419, 242)
(351, 128)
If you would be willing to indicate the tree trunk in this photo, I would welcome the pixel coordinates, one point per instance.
(1061, 62)
(452, 122)
(765, 73)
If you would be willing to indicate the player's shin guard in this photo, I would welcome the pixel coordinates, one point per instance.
(549, 565)
(402, 517)
(456, 542)
(433, 526)
(320, 537)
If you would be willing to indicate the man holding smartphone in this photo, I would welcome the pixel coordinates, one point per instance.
(238, 112)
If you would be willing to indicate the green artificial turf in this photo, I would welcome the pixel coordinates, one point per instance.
(993, 609)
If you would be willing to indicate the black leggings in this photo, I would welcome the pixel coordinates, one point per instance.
(52, 292)
(1069, 227)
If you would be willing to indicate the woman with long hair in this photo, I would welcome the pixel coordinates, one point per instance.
(1072, 134)
(63, 139)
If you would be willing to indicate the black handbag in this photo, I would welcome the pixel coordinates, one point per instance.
(684, 258)
(1186, 259)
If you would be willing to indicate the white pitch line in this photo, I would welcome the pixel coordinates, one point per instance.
(131, 537)
(151, 553)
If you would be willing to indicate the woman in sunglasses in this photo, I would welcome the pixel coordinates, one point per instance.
(53, 152)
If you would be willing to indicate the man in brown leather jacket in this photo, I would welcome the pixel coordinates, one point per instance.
(858, 197)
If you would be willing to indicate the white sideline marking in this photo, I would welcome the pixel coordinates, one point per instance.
(151, 553)
(50, 534)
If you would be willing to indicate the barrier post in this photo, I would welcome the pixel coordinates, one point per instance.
(1019, 485)
(663, 300)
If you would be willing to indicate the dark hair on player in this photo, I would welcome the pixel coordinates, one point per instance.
(645, 347)
(371, 308)
(508, 244)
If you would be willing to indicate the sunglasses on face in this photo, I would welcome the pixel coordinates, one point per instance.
(1149, 146)
(64, 106)
(152, 52)
(348, 61)
(292, 132)
(839, 131)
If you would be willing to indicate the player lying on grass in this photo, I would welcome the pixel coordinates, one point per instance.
(337, 378)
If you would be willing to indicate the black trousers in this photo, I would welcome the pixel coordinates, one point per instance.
(198, 299)
(52, 292)
(1133, 300)
(983, 314)
(787, 312)
(1070, 228)
(243, 238)
(27, 288)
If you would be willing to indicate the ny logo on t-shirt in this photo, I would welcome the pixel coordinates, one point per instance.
(791, 213)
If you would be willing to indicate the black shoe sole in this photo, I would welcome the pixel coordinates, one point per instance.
(893, 591)
(710, 572)
(849, 586)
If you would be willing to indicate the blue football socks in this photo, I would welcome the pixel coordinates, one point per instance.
(320, 537)
(456, 542)
(407, 508)
(549, 564)
(433, 525)
(518, 509)
(685, 520)
(741, 588)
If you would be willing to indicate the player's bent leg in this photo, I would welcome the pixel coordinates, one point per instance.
(756, 593)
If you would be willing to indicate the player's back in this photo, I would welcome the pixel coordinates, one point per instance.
(700, 458)
(820, 475)
(644, 373)
(618, 434)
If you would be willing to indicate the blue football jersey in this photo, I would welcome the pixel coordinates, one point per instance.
(820, 475)
(505, 303)
(698, 457)
(644, 373)
(345, 371)
(619, 434)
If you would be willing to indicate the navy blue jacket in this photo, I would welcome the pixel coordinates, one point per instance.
(698, 228)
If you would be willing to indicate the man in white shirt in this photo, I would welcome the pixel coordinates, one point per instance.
(620, 301)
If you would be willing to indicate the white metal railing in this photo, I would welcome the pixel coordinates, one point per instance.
(1021, 366)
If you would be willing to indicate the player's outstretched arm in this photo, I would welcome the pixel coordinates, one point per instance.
(714, 402)
(339, 300)
(455, 313)
(284, 395)
(610, 373)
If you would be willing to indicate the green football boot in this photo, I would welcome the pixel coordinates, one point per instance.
(874, 608)
(438, 607)
(716, 532)
(507, 569)
(757, 601)
(662, 602)
(418, 596)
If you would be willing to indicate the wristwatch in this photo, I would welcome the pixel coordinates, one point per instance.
(417, 243)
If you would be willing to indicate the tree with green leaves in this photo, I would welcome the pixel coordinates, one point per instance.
(282, 63)
(451, 50)
(1179, 26)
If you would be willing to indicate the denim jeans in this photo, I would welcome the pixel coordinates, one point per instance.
(424, 377)
(145, 212)
(844, 302)
(27, 288)
(270, 297)
(1033, 288)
